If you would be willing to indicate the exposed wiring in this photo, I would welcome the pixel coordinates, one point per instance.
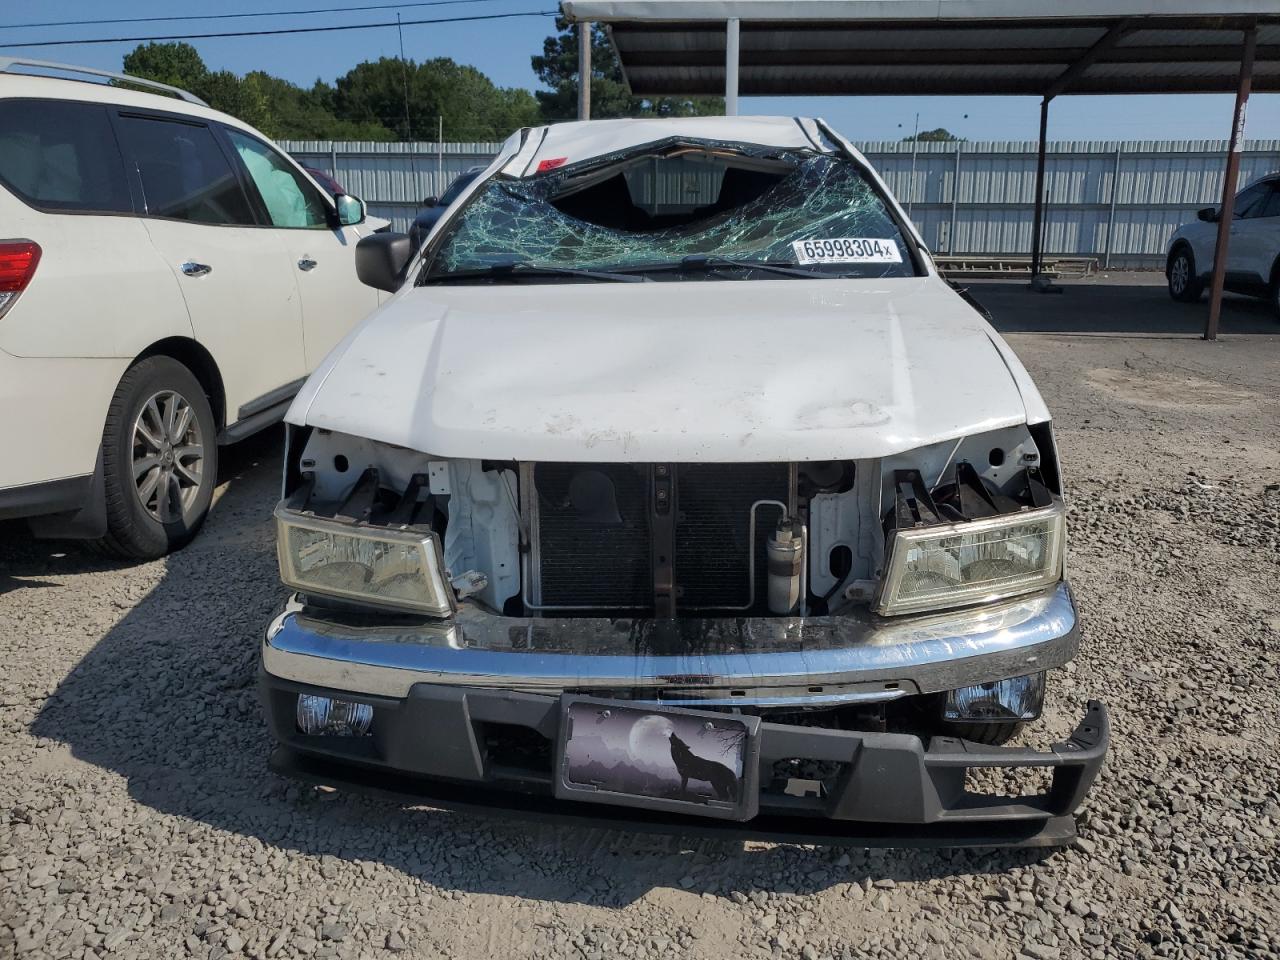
(951, 456)
(835, 588)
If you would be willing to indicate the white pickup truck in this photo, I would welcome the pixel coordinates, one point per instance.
(674, 485)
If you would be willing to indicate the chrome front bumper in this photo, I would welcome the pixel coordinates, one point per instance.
(766, 662)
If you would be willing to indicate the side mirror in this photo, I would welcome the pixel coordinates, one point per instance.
(430, 201)
(1208, 214)
(381, 259)
(350, 209)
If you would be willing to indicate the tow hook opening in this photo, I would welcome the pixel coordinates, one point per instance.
(1015, 699)
(330, 717)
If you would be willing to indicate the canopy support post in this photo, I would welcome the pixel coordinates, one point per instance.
(1115, 33)
(1225, 213)
(1039, 282)
(584, 70)
(1111, 217)
(731, 31)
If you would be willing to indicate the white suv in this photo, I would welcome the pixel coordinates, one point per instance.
(168, 278)
(1253, 254)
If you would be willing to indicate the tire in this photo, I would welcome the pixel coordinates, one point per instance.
(1185, 285)
(991, 734)
(1275, 289)
(164, 507)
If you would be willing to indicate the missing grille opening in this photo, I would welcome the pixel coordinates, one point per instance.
(798, 777)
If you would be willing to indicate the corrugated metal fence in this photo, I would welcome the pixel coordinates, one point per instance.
(1116, 201)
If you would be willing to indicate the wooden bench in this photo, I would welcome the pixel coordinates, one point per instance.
(994, 267)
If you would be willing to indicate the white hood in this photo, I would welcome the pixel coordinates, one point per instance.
(720, 371)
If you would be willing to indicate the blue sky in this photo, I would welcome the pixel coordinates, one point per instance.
(502, 49)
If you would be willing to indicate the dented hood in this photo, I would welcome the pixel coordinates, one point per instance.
(730, 370)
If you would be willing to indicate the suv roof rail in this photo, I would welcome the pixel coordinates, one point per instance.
(7, 65)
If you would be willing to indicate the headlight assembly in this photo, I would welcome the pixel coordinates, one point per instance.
(954, 564)
(386, 568)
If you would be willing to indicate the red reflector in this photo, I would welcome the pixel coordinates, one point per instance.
(18, 259)
(551, 164)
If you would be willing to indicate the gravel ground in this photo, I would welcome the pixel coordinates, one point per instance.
(137, 818)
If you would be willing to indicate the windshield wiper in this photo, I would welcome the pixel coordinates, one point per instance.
(523, 268)
(711, 263)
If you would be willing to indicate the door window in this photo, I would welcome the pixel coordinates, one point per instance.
(1271, 206)
(291, 201)
(1249, 202)
(60, 155)
(183, 172)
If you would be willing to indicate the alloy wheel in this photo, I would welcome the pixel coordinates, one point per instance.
(168, 456)
(1179, 274)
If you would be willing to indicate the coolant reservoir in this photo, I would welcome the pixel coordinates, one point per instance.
(785, 552)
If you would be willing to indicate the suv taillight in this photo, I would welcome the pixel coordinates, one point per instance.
(18, 261)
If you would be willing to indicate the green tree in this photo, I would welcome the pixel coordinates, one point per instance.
(471, 106)
(177, 64)
(297, 114)
(557, 68)
(367, 103)
(224, 91)
(938, 135)
(276, 107)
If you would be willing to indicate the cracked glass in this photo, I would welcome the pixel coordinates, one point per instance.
(671, 208)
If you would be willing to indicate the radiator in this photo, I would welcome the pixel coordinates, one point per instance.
(596, 552)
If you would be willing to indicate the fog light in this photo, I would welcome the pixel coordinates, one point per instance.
(1019, 698)
(326, 717)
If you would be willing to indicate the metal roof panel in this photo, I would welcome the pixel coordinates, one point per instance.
(802, 47)
(613, 11)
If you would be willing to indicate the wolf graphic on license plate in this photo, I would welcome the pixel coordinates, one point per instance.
(664, 759)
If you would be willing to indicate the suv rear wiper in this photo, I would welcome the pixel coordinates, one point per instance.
(523, 268)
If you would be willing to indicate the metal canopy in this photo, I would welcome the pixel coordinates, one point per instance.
(1026, 47)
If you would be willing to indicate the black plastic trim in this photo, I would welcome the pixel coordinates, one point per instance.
(893, 791)
(247, 427)
(272, 398)
(467, 798)
(50, 496)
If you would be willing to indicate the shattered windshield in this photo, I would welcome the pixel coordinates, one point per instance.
(664, 215)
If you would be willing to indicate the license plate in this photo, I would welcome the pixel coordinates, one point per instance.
(680, 761)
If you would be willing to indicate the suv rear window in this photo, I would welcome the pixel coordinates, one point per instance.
(60, 155)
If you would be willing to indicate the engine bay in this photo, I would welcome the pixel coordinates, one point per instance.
(668, 540)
